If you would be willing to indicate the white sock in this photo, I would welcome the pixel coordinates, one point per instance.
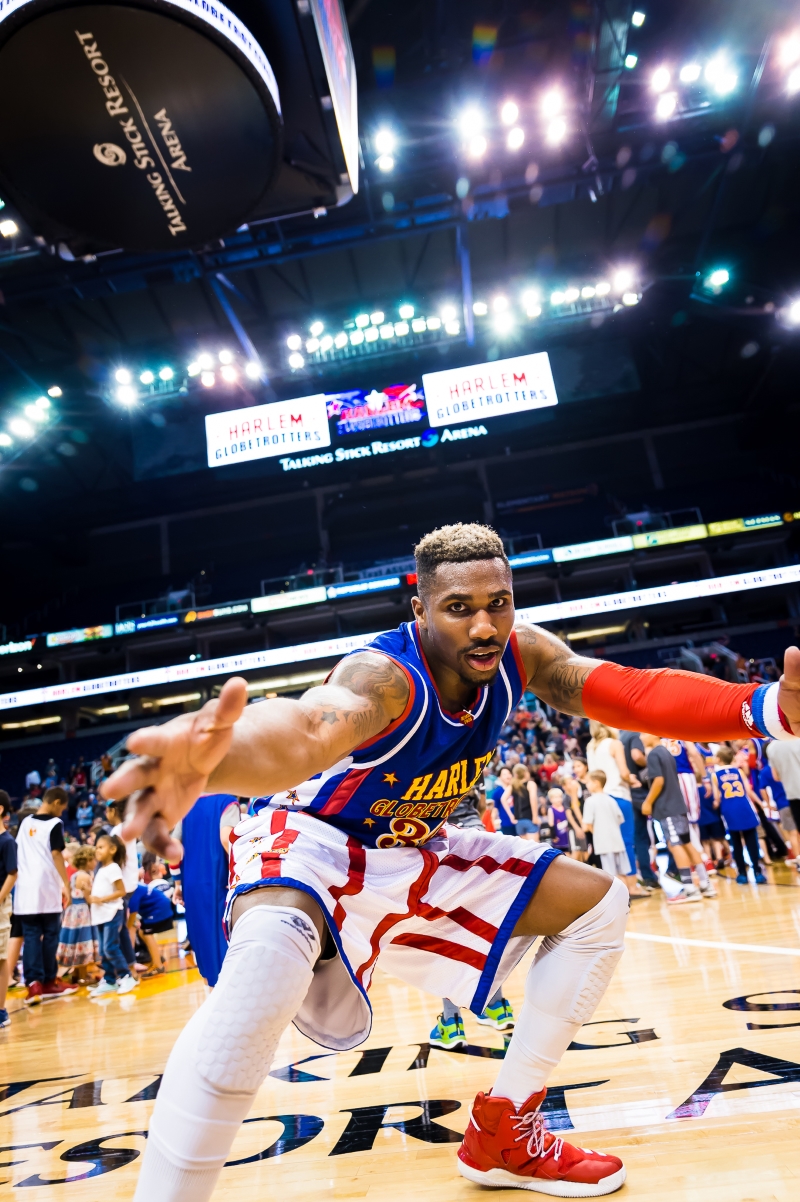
(224, 1053)
(702, 875)
(567, 979)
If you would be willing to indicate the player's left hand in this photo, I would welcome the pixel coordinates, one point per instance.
(789, 692)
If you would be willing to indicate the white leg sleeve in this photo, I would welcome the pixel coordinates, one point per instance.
(225, 1052)
(567, 979)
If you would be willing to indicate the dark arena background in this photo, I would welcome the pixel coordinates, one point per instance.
(285, 286)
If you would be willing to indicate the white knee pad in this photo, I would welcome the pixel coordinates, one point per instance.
(269, 963)
(572, 970)
(225, 1052)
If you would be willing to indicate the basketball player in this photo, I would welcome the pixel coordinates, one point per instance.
(348, 857)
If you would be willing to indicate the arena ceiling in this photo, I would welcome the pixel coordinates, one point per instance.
(717, 186)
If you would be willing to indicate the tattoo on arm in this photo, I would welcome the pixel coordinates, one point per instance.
(555, 672)
(366, 692)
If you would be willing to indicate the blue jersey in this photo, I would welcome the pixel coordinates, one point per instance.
(151, 903)
(735, 808)
(707, 812)
(773, 787)
(681, 757)
(401, 786)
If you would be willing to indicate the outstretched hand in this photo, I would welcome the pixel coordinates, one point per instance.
(173, 764)
(789, 692)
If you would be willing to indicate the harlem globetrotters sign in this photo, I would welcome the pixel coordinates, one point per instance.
(150, 126)
(484, 390)
(265, 431)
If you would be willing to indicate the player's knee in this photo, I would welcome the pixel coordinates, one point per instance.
(282, 896)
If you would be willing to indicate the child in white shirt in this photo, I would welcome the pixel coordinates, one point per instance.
(603, 817)
(106, 901)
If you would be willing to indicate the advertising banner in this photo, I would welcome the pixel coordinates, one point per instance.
(499, 389)
(264, 431)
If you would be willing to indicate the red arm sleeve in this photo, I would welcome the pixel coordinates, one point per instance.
(675, 705)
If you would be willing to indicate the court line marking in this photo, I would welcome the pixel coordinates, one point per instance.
(678, 940)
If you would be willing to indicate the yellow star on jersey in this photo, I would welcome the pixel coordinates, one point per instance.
(391, 779)
(369, 822)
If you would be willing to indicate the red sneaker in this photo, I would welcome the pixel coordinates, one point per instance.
(58, 988)
(34, 995)
(506, 1147)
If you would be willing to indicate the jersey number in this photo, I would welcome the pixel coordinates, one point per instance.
(732, 788)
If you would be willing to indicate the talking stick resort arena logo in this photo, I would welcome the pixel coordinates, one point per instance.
(146, 154)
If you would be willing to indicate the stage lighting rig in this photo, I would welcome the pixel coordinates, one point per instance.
(166, 124)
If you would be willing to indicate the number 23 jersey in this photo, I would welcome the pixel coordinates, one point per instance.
(400, 787)
(736, 809)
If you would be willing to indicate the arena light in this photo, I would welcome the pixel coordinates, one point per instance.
(325, 343)
(385, 163)
(631, 60)
(477, 146)
(55, 391)
(500, 304)
(193, 369)
(556, 131)
(557, 297)
(789, 49)
(406, 312)
(509, 112)
(357, 337)
(792, 313)
(42, 402)
(690, 73)
(720, 75)
(515, 139)
(793, 81)
(362, 320)
(385, 141)
(147, 377)
(377, 318)
(452, 328)
(51, 721)
(205, 362)
(126, 394)
(371, 334)
(225, 357)
(470, 122)
(166, 374)
(208, 379)
(659, 80)
(531, 296)
(316, 328)
(122, 375)
(623, 278)
(229, 373)
(419, 325)
(294, 342)
(8, 228)
(480, 308)
(588, 291)
(253, 370)
(503, 324)
(630, 298)
(637, 19)
(434, 323)
(6, 440)
(602, 288)
(552, 103)
(717, 279)
(312, 345)
(296, 361)
(21, 428)
(340, 340)
(35, 413)
(666, 105)
(401, 328)
(448, 312)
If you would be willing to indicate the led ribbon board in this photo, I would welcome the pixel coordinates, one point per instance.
(337, 647)
(149, 126)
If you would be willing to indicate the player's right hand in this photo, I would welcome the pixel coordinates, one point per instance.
(173, 764)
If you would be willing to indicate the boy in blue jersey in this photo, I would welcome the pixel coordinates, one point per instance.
(348, 856)
(734, 797)
(774, 797)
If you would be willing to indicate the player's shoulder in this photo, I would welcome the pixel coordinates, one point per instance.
(372, 673)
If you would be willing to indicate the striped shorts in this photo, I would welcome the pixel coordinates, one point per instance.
(439, 916)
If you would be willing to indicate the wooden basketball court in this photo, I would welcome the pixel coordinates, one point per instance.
(690, 1071)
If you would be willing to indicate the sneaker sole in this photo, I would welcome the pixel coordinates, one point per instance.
(498, 1026)
(448, 1047)
(502, 1179)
